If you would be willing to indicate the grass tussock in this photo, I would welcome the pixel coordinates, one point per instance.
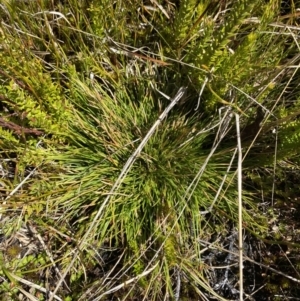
(107, 196)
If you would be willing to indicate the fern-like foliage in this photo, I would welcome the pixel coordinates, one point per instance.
(34, 107)
(289, 136)
(227, 45)
(211, 50)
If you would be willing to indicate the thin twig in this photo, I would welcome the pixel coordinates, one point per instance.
(38, 236)
(201, 92)
(273, 270)
(216, 247)
(178, 285)
(33, 285)
(221, 185)
(124, 284)
(18, 129)
(222, 131)
(28, 295)
(274, 167)
(240, 205)
(17, 188)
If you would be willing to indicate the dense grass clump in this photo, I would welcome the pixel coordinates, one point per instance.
(114, 189)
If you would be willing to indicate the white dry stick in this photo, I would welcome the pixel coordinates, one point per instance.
(17, 188)
(20, 184)
(120, 179)
(253, 99)
(161, 8)
(124, 284)
(222, 131)
(178, 285)
(273, 270)
(201, 92)
(274, 168)
(207, 129)
(240, 213)
(33, 285)
(28, 295)
(221, 185)
(54, 13)
(38, 236)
